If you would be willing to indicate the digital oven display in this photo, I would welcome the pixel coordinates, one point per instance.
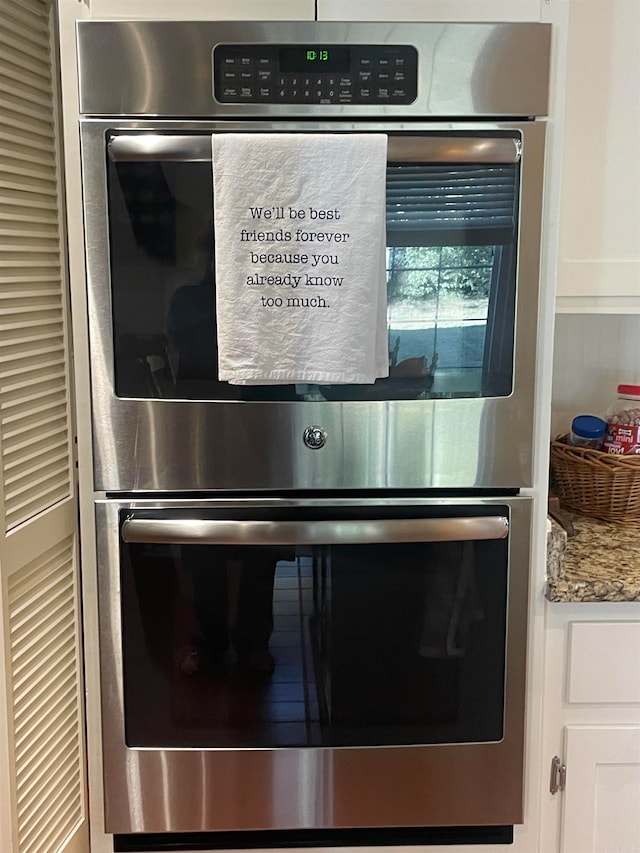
(322, 73)
(315, 58)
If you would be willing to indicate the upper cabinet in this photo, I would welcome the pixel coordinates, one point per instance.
(429, 10)
(205, 10)
(599, 216)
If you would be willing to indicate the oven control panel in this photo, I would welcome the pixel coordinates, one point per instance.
(315, 74)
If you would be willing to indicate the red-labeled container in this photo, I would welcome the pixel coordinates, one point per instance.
(623, 422)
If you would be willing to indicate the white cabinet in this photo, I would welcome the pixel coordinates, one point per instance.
(602, 795)
(220, 10)
(592, 722)
(599, 216)
(429, 10)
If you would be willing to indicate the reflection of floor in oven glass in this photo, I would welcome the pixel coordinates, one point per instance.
(225, 705)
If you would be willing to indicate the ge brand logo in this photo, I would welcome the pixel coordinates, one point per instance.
(314, 437)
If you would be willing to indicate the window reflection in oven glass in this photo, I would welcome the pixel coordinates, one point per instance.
(249, 646)
(451, 284)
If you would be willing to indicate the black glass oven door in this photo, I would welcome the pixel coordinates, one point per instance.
(344, 630)
(452, 230)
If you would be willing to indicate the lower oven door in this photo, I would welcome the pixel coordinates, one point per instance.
(284, 664)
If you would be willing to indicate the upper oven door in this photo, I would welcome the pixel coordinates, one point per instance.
(463, 237)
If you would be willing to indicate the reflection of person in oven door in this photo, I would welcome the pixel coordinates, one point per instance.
(191, 322)
(192, 337)
(451, 602)
(233, 599)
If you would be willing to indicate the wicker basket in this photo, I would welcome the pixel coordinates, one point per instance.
(598, 484)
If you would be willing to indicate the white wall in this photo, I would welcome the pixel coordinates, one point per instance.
(593, 354)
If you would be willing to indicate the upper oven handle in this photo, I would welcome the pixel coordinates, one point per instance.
(196, 148)
(200, 531)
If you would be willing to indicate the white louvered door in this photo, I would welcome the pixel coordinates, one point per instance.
(42, 774)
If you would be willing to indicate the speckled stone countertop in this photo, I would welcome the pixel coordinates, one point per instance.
(601, 562)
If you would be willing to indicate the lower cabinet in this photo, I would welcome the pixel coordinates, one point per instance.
(592, 728)
(601, 809)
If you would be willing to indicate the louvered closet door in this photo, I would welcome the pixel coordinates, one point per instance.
(42, 778)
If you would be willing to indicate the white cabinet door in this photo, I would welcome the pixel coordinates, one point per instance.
(599, 239)
(220, 10)
(429, 10)
(602, 795)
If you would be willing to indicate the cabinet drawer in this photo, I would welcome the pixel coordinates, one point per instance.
(604, 662)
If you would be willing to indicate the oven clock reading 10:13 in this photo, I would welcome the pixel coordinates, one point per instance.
(316, 58)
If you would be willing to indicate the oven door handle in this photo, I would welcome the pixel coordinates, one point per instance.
(196, 148)
(196, 531)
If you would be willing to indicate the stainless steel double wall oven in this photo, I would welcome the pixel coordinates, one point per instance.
(313, 598)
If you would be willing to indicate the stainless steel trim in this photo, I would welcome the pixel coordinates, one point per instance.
(164, 68)
(144, 146)
(214, 532)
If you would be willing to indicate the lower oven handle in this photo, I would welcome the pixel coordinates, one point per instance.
(195, 531)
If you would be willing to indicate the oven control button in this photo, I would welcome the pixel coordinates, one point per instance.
(314, 437)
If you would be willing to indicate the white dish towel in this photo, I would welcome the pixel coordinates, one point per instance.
(300, 257)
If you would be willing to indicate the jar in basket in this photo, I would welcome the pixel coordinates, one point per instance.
(623, 422)
(587, 431)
